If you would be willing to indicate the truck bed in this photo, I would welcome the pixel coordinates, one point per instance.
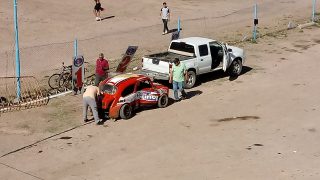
(168, 56)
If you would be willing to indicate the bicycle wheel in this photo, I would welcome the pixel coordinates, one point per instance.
(54, 81)
(65, 81)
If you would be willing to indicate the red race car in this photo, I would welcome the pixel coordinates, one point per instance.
(124, 93)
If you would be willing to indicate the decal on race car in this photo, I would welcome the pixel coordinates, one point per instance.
(147, 96)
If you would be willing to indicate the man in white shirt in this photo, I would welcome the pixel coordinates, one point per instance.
(165, 15)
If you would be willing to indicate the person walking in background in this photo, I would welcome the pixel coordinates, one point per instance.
(165, 15)
(102, 67)
(178, 75)
(90, 99)
(97, 10)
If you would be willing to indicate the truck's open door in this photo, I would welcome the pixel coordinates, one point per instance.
(226, 58)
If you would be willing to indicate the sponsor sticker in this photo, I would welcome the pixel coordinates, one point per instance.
(147, 96)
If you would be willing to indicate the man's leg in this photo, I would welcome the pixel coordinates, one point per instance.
(97, 80)
(183, 93)
(93, 105)
(164, 25)
(98, 15)
(175, 90)
(85, 108)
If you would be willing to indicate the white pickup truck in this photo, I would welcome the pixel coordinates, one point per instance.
(200, 55)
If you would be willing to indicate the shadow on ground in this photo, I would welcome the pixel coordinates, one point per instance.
(108, 17)
(211, 77)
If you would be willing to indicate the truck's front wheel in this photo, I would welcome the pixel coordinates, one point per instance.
(235, 68)
(191, 81)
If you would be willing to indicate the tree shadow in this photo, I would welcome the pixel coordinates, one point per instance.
(108, 17)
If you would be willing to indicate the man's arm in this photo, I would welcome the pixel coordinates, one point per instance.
(106, 67)
(171, 75)
(185, 73)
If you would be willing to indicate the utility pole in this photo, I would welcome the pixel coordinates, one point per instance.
(17, 50)
(255, 22)
(313, 10)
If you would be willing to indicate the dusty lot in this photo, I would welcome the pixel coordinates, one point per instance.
(263, 125)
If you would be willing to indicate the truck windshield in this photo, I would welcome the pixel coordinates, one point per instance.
(181, 46)
(109, 89)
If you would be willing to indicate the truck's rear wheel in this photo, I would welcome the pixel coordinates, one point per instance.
(191, 80)
(235, 68)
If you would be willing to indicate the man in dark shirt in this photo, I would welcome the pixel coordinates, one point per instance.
(102, 67)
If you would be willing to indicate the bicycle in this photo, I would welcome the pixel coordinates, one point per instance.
(59, 80)
(63, 80)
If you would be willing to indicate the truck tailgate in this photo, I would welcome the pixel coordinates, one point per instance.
(156, 65)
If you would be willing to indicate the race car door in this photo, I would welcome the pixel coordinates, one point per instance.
(146, 95)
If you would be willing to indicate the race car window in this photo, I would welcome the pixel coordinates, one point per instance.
(143, 85)
(109, 89)
(128, 90)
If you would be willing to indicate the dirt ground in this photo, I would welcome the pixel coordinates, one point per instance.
(262, 125)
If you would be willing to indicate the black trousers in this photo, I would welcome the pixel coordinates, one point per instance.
(99, 79)
(165, 25)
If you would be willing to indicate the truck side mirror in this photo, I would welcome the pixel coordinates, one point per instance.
(229, 50)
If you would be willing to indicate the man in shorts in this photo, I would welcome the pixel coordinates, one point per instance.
(97, 9)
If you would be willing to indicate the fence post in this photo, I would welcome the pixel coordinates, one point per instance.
(255, 22)
(17, 50)
(179, 24)
(75, 48)
(313, 10)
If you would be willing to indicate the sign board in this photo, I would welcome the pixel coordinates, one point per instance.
(77, 72)
(126, 59)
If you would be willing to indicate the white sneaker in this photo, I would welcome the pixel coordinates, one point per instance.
(166, 32)
(163, 33)
(97, 18)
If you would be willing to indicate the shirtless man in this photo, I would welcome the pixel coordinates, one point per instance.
(90, 99)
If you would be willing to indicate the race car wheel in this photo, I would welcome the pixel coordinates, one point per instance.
(191, 80)
(235, 68)
(125, 111)
(163, 101)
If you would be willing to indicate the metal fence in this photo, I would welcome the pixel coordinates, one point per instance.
(32, 95)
